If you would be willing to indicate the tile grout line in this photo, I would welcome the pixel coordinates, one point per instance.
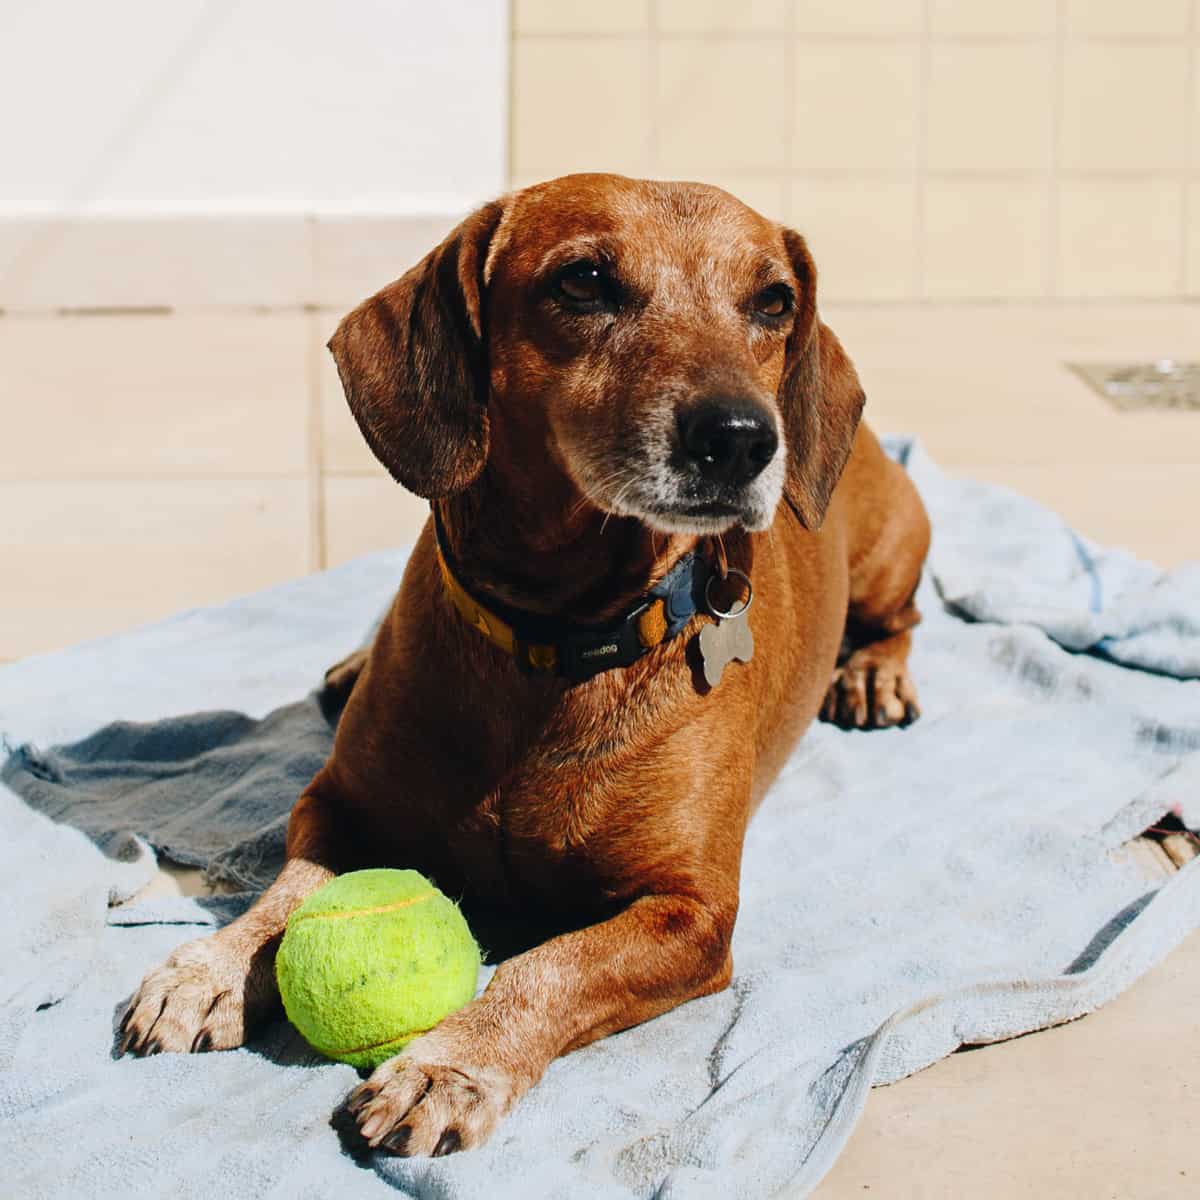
(164, 477)
(1141, 300)
(510, 128)
(1050, 274)
(317, 548)
(900, 37)
(653, 140)
(1000, 174)
(1190, 103)
(917, 282)
(170, 480)
(791, 85)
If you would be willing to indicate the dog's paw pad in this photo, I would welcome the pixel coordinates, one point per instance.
(192, 1003)
(412, 1106)
(870, 694)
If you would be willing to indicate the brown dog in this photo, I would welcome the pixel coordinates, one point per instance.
(603, 385)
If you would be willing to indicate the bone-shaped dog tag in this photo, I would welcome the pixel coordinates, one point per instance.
(721, 643)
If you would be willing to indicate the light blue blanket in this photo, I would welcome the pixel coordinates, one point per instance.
(904, 892)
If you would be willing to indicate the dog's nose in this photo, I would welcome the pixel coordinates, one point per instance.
(730, 443)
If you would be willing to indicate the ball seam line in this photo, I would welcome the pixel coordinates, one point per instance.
(363, 912)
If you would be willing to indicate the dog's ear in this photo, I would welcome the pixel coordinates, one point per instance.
(820, 398)
(413, 364)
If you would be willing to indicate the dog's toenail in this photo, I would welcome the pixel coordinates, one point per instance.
(201, 1042)
(447, 1143)
(397, 1141)
(359, 1097)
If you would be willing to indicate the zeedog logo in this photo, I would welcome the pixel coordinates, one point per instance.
(600, 651)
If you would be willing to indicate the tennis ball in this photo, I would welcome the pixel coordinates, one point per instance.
(372, 960)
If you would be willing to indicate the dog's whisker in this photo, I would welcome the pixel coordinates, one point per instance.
(622, 478)
(592, 490)
(616, 502)
(629, 478)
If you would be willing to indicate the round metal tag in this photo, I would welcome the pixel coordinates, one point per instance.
(733, 613)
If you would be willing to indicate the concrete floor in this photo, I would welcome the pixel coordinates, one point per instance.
(1105, 1108)
(126, 493)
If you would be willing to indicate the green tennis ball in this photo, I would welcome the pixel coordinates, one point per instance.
(372, 960)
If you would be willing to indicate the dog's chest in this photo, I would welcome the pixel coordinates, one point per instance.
(539, 836)
(565, 822)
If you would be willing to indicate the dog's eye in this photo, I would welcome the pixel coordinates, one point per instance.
(774, 301)
(583, 283)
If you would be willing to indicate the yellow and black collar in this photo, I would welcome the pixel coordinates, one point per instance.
(547, 645)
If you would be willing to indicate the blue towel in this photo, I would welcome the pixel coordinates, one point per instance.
(904, 891)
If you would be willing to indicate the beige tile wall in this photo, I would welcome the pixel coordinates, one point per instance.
(174, 432)
(198, 263)
(930, 149)
(156, 462)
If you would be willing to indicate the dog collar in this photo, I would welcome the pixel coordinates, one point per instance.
(546, 645)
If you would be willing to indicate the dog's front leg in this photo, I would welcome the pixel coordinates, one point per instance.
(450, 1087)
(209, 993)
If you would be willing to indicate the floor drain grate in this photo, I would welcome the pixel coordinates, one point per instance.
(1165, 384)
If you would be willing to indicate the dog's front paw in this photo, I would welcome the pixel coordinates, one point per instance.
(870, 691)
(426, 1101)
(204, 997)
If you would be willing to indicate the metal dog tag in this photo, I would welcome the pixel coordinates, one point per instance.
(730, 636)
(721, 643)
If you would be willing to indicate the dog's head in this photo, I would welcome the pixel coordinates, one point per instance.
(657, 344)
